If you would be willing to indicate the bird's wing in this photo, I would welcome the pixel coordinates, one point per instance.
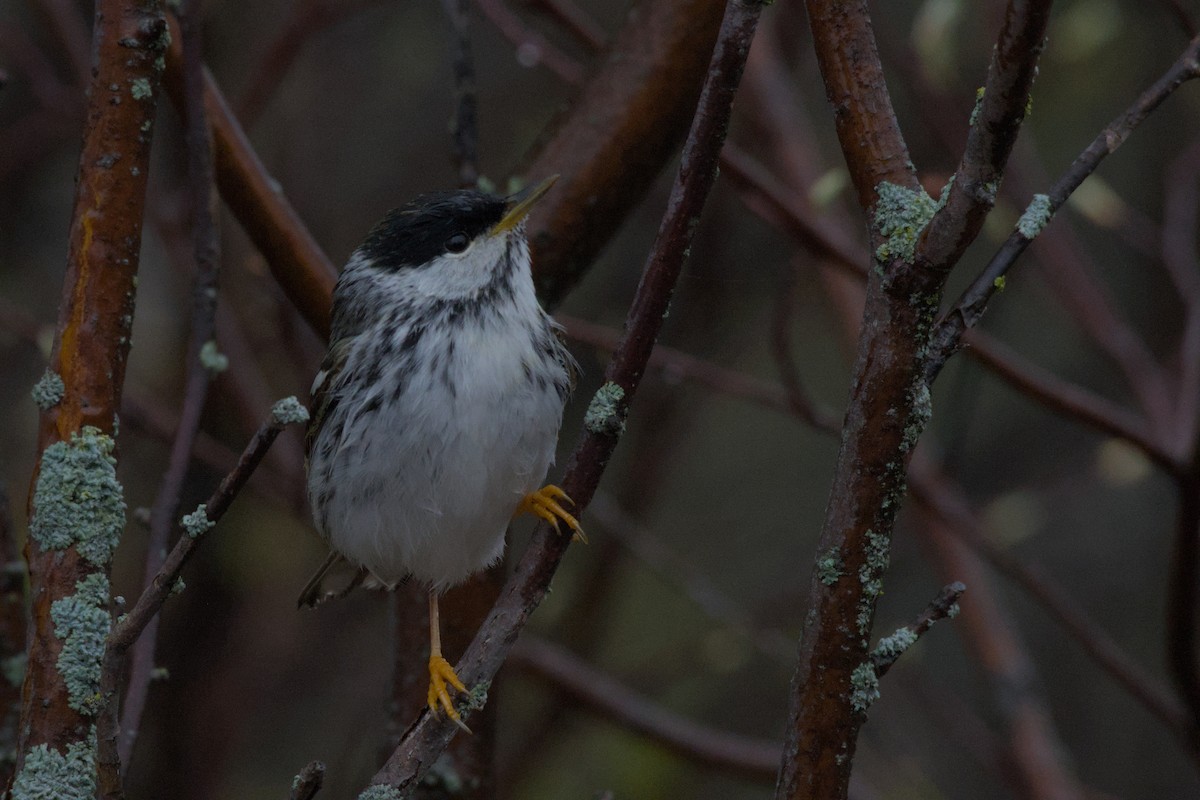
(324, 396)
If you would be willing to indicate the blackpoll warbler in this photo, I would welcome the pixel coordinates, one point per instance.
(437, 408)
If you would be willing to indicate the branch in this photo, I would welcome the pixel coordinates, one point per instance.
(753, 759)
(889, 649)
(77, 506)
(206, 251)
(528, 585)
(969, 308)
(991, 137)
(166, 582)
(870, 137)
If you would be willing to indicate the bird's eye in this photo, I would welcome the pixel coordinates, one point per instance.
(457, 243)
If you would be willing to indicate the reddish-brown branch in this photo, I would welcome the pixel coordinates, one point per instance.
(524, 591)
(536, 47)
(297, 262)
(871, 141)
(95, 321)
(889, 406)
(587, 686)
(991, 137)
(574, 19)
(613, 141)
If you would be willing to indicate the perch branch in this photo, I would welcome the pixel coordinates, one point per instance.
(308, 782)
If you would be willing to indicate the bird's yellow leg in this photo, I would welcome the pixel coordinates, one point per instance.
(544, 503)
(440, 671)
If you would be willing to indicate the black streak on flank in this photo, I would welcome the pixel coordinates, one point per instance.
(415, 234)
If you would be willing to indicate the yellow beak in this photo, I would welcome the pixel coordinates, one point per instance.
(520, 204)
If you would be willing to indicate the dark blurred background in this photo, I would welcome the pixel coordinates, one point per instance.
(694, 587)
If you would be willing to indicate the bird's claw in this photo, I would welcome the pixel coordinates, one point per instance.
(441, 678)
(544, 503)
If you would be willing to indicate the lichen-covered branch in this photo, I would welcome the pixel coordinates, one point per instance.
(525, 589)
(889, 649)
(77, 510)
(991, 136)
(970, 306)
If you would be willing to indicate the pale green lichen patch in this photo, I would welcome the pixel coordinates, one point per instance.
(829, 566)
(1000, 283)
(891, 647)
(81, 622)
(900, 216)
(475, 699)
(1037, 215)
(77, 500)
(213, 359)
(50, 775)
(604, 414)
(197, 523)
(49, 390)
(140, 88)
(922, 412)
(289, 411)
(864, 687)
(380, 792)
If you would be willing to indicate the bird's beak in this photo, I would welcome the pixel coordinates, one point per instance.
(520, 204)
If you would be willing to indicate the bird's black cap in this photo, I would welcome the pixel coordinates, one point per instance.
(416, 233)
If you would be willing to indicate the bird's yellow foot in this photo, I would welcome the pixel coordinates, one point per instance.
(441, 674)
(544, 503)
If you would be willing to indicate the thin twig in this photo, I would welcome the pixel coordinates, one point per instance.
(781, 350)
(206, 251)
(754, 759)
(888, 651)
(969, 308)
(528, 585)
(463, 129)
(166, 582)
(308, 782)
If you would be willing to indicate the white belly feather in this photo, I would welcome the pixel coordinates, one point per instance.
(429, 489)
